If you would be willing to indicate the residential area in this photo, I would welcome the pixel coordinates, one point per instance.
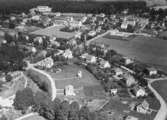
(63, 66)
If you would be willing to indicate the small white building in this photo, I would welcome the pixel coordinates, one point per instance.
(131, 118)
(104, 64)
(152, 71)
(140, 92)
(89, 58)
(79, 74)
(143, 107)
(43, 9)
(118, 71)
(114, 91)
(92, 33)
(128, 61)
(69, 90)
(68, 54)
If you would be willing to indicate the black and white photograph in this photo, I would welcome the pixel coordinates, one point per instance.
(83, 59)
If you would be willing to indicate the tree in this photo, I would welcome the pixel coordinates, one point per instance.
(3, 117)
(44, 106)
(65, 108)
(84, 113)
(8, 78)
(74, 110)
(24, 99)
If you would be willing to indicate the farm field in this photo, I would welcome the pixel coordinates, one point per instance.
(147, 50)
(68, 76)
(160, 86)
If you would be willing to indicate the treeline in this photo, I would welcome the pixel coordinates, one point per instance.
(27, 101)
(71, 6)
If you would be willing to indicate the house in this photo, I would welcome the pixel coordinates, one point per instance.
(68, 54)
(36, 18)
(131, 118)
(143, 107)
(43, 9)
(151, 71)
(89, 58)
(128, 61)
(139, 91)
(104, 64)
(69, 90)
(118, 71)
(114, 91)
(92, 33)
(38, 40)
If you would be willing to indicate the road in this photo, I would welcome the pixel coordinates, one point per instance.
(53, 86)
(162, 113)
(26, 116)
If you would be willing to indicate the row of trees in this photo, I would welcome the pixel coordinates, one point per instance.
(51, 110)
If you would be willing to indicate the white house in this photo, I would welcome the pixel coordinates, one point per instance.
(114, 91)
(43, 9)
(89, 58)
(152, 71)
(92, 33)
(139, 91)
(69, 90)
(128, 61)
(68, 54)
(104, 64)
(118, 71)
(131, 118)
(143, 107)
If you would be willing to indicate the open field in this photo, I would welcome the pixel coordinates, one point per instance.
(68, 76)
(147, 50)
(54, 31)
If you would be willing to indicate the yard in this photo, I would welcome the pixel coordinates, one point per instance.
(68, 76)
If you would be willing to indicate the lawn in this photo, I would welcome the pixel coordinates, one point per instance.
(68, 76)
(54, 31)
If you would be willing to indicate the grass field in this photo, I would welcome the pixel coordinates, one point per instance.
(68, 76)
(145, 49)
(54, 31)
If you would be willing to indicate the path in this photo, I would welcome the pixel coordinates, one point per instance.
(162, 113)
(26, 116)
(53, 86)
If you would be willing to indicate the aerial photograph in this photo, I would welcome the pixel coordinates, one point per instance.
(83, 59)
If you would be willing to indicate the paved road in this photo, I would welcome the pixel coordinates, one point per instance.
(26, 116)
(53, 86)
(162, 113)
